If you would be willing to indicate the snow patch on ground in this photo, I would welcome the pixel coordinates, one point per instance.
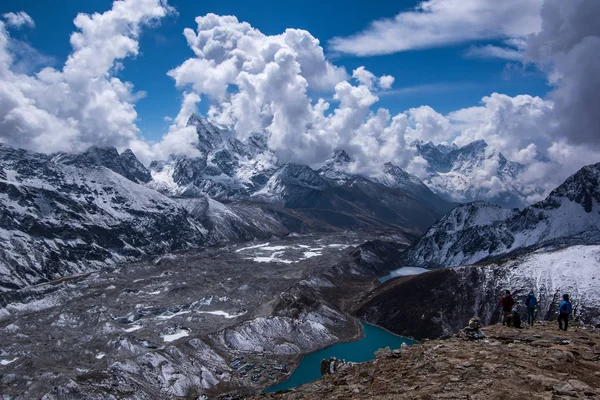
(100, 356)
(177, 335)
(169, 316)
(273, 258)
(310, 254)
(6, 362)
(222, 314)
(251, 247)
(133, 328)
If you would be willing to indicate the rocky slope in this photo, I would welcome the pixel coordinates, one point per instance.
(455, 174)
(59, 219)
(337, 169)
(168, 327)
(539, 362)
(436, 303)
(479, 231)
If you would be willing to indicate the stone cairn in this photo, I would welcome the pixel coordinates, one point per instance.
(473, 330)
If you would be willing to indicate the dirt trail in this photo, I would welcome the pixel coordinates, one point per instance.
(532, 363)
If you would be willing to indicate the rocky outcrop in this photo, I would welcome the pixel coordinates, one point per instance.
(536, 362)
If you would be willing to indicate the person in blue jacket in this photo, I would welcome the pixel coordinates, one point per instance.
(564, 309)
(531, 303)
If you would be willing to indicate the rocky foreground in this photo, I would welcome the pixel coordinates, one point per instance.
(534, 363)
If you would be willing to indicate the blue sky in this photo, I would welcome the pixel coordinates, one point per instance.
(443, 78)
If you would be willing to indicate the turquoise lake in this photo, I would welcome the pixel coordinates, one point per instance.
(359, 351)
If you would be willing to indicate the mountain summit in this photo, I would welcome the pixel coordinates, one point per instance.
(472, 172)
(477, 231)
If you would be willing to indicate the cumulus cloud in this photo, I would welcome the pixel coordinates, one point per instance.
(83, 103)
(386, 81)
(18, 20)
(507, 123)
(435, 23)
(180, 139)
(568, 49)
(261, 83)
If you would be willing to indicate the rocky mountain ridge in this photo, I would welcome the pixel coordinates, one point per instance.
(478, 231)
(452, 171)
(66, 214)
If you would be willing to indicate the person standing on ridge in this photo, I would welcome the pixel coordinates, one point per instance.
(508, 303)
(531, 302)
(564, 310)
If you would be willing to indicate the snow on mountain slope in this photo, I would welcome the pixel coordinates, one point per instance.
(338, 166)
(125, 164)
(229, 170)
(472, 172)
(439, 302)
(60, 219)
(476, 231)
(226, 168)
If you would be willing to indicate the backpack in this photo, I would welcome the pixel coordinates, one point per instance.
(530, 301)
(516, 319)
(566, 307)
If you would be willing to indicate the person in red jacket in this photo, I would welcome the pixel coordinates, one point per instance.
(507, 302)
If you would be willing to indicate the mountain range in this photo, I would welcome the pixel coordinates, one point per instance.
(478, 250)
(454, 173)
(64, 214)
(69, 213)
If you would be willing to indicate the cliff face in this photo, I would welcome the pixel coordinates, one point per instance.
(539, 363)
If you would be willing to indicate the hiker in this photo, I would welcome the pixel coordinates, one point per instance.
(516, 318)
(531, 302)
(324, 365)
(564, 310)
(507, 302)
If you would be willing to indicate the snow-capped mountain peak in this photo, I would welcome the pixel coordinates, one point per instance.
(582, 188)
(455, 173)
(227, 168)
(125, 164)
(336, 167)
(478, 231)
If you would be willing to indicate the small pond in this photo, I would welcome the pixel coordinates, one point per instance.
(404, 271)
(359, 351)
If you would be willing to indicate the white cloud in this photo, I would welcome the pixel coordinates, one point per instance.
(568, 49)
(259, 83)
(435, 23)
(386, 81)
(180, 139)
(428, 125)
(364, 77)
(491, 51)
(509, 124)
(83, 103)
(18, 20)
